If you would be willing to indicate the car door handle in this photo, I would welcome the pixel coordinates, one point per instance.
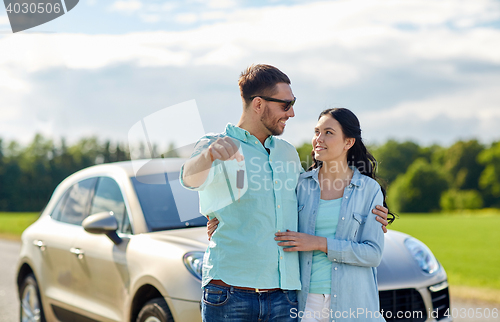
(78, 252)
(40, 244)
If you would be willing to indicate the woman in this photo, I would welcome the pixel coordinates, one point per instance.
(340, 243)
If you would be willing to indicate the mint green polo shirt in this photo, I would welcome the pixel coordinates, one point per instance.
(242, 251)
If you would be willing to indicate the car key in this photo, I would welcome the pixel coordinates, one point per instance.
(240, 181)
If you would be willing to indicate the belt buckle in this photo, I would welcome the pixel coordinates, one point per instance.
(261, 291)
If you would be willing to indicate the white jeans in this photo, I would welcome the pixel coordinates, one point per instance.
(317, 308)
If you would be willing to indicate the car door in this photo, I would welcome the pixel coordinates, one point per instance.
(101, 272)
(54, 241)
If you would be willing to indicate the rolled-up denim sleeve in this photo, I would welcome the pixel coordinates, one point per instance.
(368, 251)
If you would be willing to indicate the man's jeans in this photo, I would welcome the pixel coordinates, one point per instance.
(221, 303)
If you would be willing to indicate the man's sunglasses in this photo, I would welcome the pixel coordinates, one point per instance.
(288, 105)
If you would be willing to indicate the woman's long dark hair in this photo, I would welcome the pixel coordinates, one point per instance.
(357, 156)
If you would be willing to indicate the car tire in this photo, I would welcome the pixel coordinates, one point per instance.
(30, 303)
(155, 310)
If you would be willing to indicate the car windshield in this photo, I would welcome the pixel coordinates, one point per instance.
(166, 204)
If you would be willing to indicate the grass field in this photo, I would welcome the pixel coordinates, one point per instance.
(467, 244)
(12, 224)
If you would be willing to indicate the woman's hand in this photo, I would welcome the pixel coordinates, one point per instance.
(212, 225)
(301, 242)
(381, 213)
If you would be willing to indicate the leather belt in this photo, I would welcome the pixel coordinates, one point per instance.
(257, 290)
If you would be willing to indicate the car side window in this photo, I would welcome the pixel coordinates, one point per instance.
(108, 197)
(56, 213)
(73, 207)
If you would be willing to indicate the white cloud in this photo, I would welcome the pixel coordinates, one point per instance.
(127, 6)
(221, 4)
(86, 52)
(329, 46)
(443, 45)
(225, 55)
(10, 112)
(213, 15)
(330, 72)
(150, 18)
(157, 8)
(466, 114)
(362, 27)
(168, 6)
(4, 20)
(12, 82)
(482, 104)
(186, 18)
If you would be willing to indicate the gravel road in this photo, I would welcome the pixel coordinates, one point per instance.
(9, 303)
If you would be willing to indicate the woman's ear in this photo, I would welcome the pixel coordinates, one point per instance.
(349, 142)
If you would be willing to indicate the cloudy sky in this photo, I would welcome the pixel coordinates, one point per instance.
(423, 70)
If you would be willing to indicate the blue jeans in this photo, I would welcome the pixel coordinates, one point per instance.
(222, 303)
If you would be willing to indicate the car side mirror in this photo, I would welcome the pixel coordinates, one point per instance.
(102, 223)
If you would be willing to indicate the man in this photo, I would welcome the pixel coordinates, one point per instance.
(246, 275)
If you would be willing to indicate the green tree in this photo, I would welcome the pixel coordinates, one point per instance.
(85, 152)
(460, 161)
(11, 177)
(3, 200)
(305, 156)
(429, 152)
(393, 158)
(121, 154)
(461, 199)
(28, 175)
(63, 163)
(419, 189)
(489, 180)
(36, 182)
(171, 151)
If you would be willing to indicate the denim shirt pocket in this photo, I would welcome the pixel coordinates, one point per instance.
(356, 223)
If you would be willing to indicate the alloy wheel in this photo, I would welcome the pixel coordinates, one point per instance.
(30, 305)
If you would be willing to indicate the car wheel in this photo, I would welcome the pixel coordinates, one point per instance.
(155, 310)
(31, 305)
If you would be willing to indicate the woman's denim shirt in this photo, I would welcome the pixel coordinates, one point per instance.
(355, 251)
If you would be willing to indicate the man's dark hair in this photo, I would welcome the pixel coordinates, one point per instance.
(260, 80)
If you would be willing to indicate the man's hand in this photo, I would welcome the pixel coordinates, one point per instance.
(301, 242)
(381, 213)
(196, 169)
(224, 149)
(212, 225)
